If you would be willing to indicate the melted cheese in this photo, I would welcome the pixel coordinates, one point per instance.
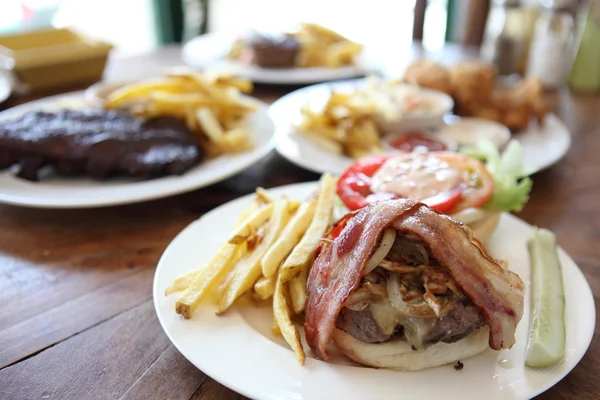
(415, 176)
(388, 318)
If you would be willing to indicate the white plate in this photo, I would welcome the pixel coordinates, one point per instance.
(5, 87)
(543, 146)
(208, 51)
(58, 192)
(239, 351)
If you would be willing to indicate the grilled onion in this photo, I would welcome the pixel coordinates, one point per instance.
(387, 240)
(359, 300)
(421, 309)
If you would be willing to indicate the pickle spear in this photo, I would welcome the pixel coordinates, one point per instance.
(547, 333)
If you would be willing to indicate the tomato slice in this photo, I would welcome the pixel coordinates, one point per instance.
(354, 186)
(478, 185)
(443, 202)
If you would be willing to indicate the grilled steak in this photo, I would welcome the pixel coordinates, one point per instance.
(275, 52)
(97, 143)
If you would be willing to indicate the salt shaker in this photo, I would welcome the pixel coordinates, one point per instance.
(548, 58)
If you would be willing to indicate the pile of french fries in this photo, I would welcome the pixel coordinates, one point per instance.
(269, 254)
(322, 47)
(345, 125)
(212, 105)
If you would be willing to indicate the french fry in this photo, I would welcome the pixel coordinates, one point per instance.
(201, 80)
(293, 205)
(142, 89)
(346, 124)
(303, 253)
(327, 144)
(190, 120)
(220, 289)
(359, 152)
(289, 238)
(237, 139)
(248, 227)
(210, 124)
(274, 327)
(322, 33)
(248, 269)
(342, 53)
(265, 287)
(164, 99)
(298, 291)
(231, 98)
(281, 311)
(205, 280)
(182, 282)
(264, 196)
(211, 104)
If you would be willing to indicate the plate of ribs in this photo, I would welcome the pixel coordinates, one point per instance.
(59, 153)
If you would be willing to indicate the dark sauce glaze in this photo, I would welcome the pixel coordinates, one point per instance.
(97, 143)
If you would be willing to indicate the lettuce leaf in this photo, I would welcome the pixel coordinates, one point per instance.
(339, 209)
(512, 182)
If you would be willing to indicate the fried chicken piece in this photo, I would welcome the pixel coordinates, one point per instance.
(472, 83)
(517, 105)
(429, 74)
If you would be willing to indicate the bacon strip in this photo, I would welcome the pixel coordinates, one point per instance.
(337, 271)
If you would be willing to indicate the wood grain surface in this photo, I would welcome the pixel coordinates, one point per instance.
(76, 314)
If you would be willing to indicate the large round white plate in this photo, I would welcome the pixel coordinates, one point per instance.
(238, 349)
(58, 192)
(543, 145)
(209, 51)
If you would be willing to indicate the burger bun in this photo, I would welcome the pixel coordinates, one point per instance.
(482, 222)
(397, 354)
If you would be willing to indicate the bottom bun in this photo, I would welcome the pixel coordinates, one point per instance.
(483, 228)
(397, 354)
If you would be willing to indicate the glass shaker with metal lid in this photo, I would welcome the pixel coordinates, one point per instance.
(548, 57)
(508, 34)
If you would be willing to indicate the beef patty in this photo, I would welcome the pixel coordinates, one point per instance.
(97, 143)
(458, 323)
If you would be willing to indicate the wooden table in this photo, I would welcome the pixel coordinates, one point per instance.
(76, 313)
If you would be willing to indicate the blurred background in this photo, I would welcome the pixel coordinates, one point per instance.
(138, 26)
(500, 31)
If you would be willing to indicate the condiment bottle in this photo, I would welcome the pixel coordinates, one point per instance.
(548, 58)
(508, 34)
(585, 73)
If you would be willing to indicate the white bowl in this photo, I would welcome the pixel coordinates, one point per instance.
(467, 131)
(451, 145)
(423, 119)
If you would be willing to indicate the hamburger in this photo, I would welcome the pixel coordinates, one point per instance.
(399, 285)
(462, 186)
